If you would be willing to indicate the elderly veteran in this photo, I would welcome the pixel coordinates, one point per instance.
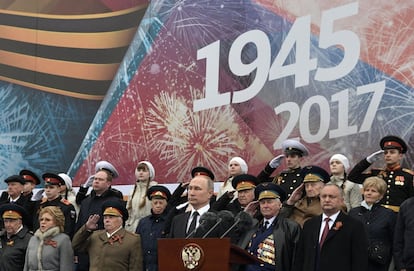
(273, 240)
(112, 248)
(151, 227)
(290, 178)
(15, 237)
(244, 184)
(304, 202)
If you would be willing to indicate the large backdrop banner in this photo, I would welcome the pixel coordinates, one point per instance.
(187, 83)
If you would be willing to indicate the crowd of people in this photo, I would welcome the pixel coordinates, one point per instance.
(302, 219)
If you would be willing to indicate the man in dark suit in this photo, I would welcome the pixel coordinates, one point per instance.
(200, 191)
(333, 240)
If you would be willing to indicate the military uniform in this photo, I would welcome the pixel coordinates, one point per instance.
(399, 180)
(306, 207)
(273, 240)
(120, 250)
(67, 209)
(13, 247)
(288, 179)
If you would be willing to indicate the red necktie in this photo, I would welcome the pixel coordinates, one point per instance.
(325, 232)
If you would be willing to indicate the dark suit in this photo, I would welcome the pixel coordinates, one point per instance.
(344, 249)
(179, 225)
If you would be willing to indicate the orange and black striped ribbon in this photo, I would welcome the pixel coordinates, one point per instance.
(73, 55)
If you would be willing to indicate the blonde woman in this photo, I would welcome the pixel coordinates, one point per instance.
(379, 223)
(138, 205)
(49, 248)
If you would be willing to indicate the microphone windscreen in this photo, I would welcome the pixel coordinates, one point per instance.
(227, 221)
(246, 221)
(208, 218)
(227, 217)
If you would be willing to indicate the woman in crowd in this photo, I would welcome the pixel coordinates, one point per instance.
(138, 205)
(379, 223)
(49, 249)
(237, 166)
(339, 165)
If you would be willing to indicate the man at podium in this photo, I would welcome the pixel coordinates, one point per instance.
(274, 239)
(200, 191)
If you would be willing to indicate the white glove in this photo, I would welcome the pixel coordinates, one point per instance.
(38, 196)
(89, 181)
(374, 156)
(275, 162)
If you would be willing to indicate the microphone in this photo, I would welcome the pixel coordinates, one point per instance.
(224, 218)
(243, 221)
(206, 220)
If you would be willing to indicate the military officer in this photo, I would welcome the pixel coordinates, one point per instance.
(244, 184)
(31, 181)
(15, 237)
(399, 180)
(112, 248)
(290, 178)
(53, 198)
(301, 208)
(274, 239)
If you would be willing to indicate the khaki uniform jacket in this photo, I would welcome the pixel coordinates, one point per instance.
(106, 254)
(302, 210)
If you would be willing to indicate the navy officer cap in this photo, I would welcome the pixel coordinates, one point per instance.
(291, 146)
(393, 142)
(105, 165)
(158, 191)
(202, 171)
(15, 179)
(269, 190)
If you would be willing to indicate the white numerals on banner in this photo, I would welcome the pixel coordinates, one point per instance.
(302, 116)
(297, 43)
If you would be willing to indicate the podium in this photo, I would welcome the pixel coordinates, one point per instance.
(196, 254)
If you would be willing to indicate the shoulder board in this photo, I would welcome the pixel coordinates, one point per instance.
(65, 201)
(131, 233)
(408, 171)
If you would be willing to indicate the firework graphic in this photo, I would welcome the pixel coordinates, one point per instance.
(184, 139)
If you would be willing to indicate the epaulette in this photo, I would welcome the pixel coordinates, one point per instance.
(132, 233)
(65, 201)
(408, 171)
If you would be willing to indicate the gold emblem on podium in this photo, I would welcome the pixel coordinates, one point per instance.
(192, 256)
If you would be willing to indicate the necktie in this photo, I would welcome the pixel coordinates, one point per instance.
(265, 225)
(325, 232)
(193, 223)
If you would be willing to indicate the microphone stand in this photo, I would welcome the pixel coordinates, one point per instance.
(232, 227)
(212, 228)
